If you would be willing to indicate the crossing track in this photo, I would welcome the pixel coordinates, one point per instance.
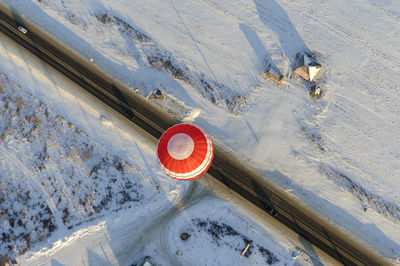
(258, 189)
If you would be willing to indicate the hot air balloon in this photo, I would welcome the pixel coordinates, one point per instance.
(185, 151)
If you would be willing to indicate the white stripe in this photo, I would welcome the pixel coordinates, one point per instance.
(180, 146)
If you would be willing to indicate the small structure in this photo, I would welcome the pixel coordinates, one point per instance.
(157, 93)
(275, 75)
(172, 105)
(185, 236)
(144, 262)
(308, 67)
(315, 91)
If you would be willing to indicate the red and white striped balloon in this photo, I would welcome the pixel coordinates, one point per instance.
(185, 151)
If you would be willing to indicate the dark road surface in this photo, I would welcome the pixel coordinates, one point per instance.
(248, 183)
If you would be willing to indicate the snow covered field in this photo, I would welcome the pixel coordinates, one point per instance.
(81, 187)
(55, 177)
(340, 153)
(69, 200)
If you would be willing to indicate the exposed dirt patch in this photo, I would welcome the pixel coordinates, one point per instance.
(368, 200)
(224, 234)
(53, 174)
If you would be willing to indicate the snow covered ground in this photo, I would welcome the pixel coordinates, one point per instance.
(81, 187)
(69, 200)
(340, 153)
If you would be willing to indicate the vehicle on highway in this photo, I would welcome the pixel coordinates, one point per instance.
(22, 29)
(273, 212)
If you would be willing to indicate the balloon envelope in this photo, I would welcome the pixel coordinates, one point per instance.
(185, 151)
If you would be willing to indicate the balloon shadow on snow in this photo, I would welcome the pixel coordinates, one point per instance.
(273, 16)
(251, 129)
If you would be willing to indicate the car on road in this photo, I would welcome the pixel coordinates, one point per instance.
(22, 29)
(273, 212)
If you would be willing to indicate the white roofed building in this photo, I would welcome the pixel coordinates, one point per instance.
(309, 67)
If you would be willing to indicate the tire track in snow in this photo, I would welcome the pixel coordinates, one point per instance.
(335, 28)
(339, 31)
(389, 13)
(368, 199)
(276, 107)
(156, 57)
(343, 34)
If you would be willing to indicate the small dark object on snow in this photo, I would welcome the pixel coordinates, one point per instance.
(158, 94)
(184, 236)
(315, 91)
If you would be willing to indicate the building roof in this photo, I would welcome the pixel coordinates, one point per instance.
(309, 67)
